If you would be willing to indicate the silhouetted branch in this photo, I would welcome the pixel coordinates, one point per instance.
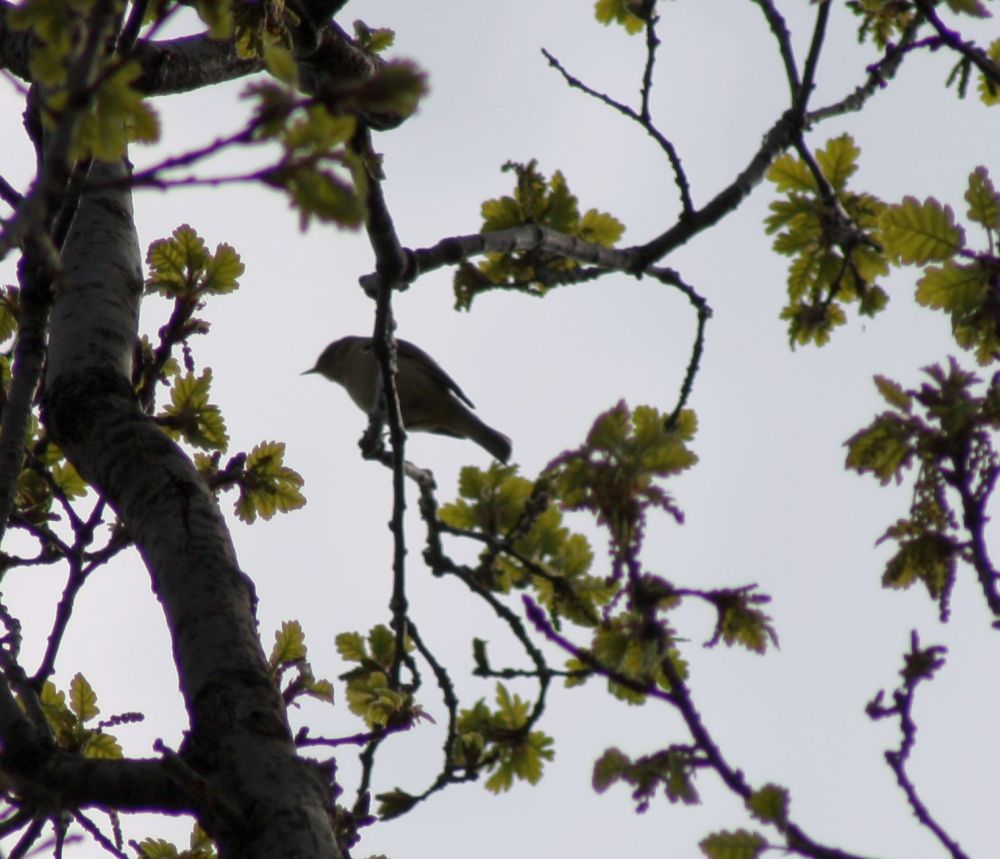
(919, 665)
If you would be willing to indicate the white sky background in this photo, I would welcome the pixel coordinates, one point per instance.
(769, 502)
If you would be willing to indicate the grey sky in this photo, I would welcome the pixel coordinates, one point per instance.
(769, 502)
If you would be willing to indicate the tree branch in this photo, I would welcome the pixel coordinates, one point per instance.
(778, 138)
(919, 665)
(878, 74)
(239, 739)
(390, 263)
(953, 39)
(642, 117)
(784, 38)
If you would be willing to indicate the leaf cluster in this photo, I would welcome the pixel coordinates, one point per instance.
(182, 269)
(965, 284)
(374, 39)
(633, 649)
(201, 847)
(114, 113)
(616, 477)
(324, 177)
(260, 28)
(268, 485)
(614, 474)
(629, 14)
(119, 115)
(289, 654)
(672, 769)
(944, 429)
(499, 741)
(68, 720)
(370, 695)
(535, 201)
(733, 844)
(740, 620)
(989, 92)
(46, 480)
(316, 170)
(827, 230)
(531, 546)
(884, 21)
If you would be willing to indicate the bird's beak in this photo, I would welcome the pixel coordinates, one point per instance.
(307, 372)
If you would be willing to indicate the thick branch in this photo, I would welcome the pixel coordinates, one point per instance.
(239, 741)
(189, 63)
(781, 135)
(39, 268)
(40, 773)
(52, 200)
(529, 237)
(125, 785)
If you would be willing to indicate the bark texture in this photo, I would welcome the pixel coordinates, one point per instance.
(253, 794)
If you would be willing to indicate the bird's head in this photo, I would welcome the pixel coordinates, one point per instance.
(335, 358)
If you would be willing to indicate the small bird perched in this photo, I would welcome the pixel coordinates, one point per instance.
(429, 399)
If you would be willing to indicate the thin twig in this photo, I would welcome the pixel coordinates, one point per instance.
(390, 264)
(679, 697)
(953, 39)
(878, 75)
(801, 101)
(919, 664)
(642, 118)
(780, 29)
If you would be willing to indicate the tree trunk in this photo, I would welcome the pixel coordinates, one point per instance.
(248, 787)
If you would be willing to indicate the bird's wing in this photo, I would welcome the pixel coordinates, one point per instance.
(407, 349)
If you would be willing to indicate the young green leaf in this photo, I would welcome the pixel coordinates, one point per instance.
(609, 768)
(989, 90)
(375, 40)
(915, 232)
(120, 114)
(267, 485)
(289, 645)
(894, 394)
(791, 174)
(983, 200)
(10, 308)
(100, 746)
(953, 286)
(838, 160)
(769, 804)
(618, 12)
(280, 63)
(883, 448)
(190, 415)
(82, 699)
(351, 646)
(733, 845)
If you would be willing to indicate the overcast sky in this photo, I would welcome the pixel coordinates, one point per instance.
(769, 502)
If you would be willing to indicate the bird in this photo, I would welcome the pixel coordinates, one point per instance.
(429, 399)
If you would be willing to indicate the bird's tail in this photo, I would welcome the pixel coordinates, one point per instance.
(496, 443)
